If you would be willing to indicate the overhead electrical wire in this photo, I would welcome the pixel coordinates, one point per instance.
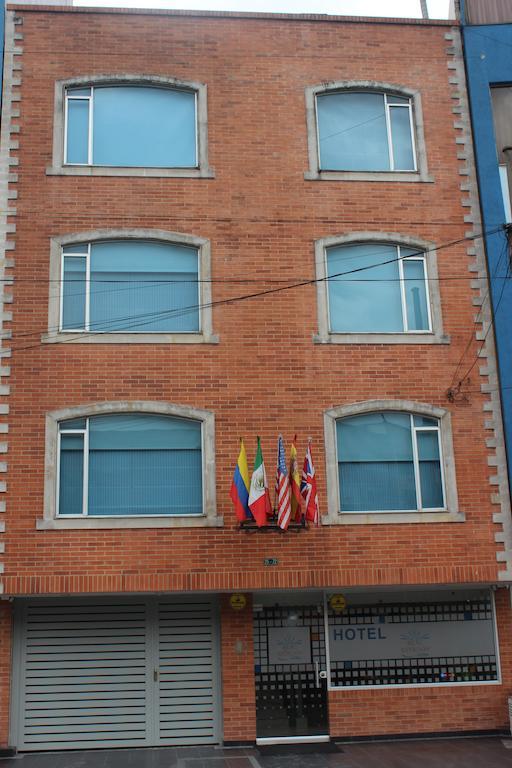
(478, 318)
(258, 294)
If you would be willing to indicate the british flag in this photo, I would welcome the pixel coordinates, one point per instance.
(308, 489)
(283, 496)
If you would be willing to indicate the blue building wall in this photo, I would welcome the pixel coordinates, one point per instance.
(2, 36)
(488, 57)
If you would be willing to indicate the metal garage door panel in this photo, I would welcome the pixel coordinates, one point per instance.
(187, 698)
(87, 673)
(84, 675)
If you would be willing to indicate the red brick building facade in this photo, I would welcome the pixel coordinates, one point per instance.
(262, 208)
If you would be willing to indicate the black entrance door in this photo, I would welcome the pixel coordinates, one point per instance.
(290, 663)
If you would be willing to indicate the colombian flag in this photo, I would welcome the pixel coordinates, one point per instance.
(240, 486)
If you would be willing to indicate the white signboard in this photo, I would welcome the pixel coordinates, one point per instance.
(289, 645)
(421, 640)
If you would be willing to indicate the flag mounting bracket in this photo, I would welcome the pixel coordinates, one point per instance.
(249, 526)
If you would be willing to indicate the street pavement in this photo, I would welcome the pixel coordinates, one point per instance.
(488, 752)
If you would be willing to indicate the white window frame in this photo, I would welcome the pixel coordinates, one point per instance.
(87, 323)
(55, 333)
(420, 171)
(450, 512)
(389, 133)
(403, 300)
(85, 480)
(505, 192)
(426, 252)
(53, 520)
(60, 166)
(416, 465)
(69, 96)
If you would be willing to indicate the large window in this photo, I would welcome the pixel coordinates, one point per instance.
(426, 638)
(129, 464)
(131, 126)
(389, 461)
(130, 286)
(377, 288)
(364, 131)
(361, 130)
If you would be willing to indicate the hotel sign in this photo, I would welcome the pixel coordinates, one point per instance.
(410, 640)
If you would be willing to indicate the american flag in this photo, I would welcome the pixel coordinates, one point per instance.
(308, 488)
(284, 507)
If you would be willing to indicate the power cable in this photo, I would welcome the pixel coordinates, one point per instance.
(269, 291)
(478, 318)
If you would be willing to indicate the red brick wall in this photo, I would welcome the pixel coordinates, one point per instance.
(5, 670)
(265, 375)
(238, 692)
(429, 709)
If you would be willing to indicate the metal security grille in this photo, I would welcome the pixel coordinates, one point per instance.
(290, 700)
(407, 671)
(114, 673)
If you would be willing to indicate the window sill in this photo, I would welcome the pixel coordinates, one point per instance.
(107, 170)
(407, 176)
(387, 518)
(74, 337)
(95, 523)
(382, 338)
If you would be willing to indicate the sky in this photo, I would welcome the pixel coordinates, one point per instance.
(438, 9)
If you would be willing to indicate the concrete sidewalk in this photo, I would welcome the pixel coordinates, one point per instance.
(489, 752)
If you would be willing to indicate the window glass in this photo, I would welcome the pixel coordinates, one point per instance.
(71, 486)
(73, 293)
(433, 640)
(415, 295)
(138, 464)
(396, 99)
(135, 286)
(375, 456)
(74, 92)
(355, 130)
(403, 153)
(424, 421)
(76, 248)
(78, 131)
(366, 301)
(133, 126)
(352, 132)
(384, 457)
(430, 470)
(365, 291)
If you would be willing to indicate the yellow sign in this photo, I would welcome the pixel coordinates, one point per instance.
(237, 601)
(338, 603)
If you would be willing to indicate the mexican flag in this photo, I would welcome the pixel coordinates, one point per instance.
(259, 497)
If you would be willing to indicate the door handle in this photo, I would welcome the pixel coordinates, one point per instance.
(155, 675)
(323, 674)
(317, 674)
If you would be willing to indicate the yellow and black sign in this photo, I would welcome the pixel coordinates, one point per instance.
(237, 601)
(338, 603)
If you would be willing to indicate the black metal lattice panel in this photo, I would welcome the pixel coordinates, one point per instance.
(414, 671)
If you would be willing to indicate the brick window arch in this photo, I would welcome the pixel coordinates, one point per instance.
(94, 449)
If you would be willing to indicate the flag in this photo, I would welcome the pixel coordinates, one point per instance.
(308, 488)
(240, 486)
(259, 497)
(284, 508)
(296, 498)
